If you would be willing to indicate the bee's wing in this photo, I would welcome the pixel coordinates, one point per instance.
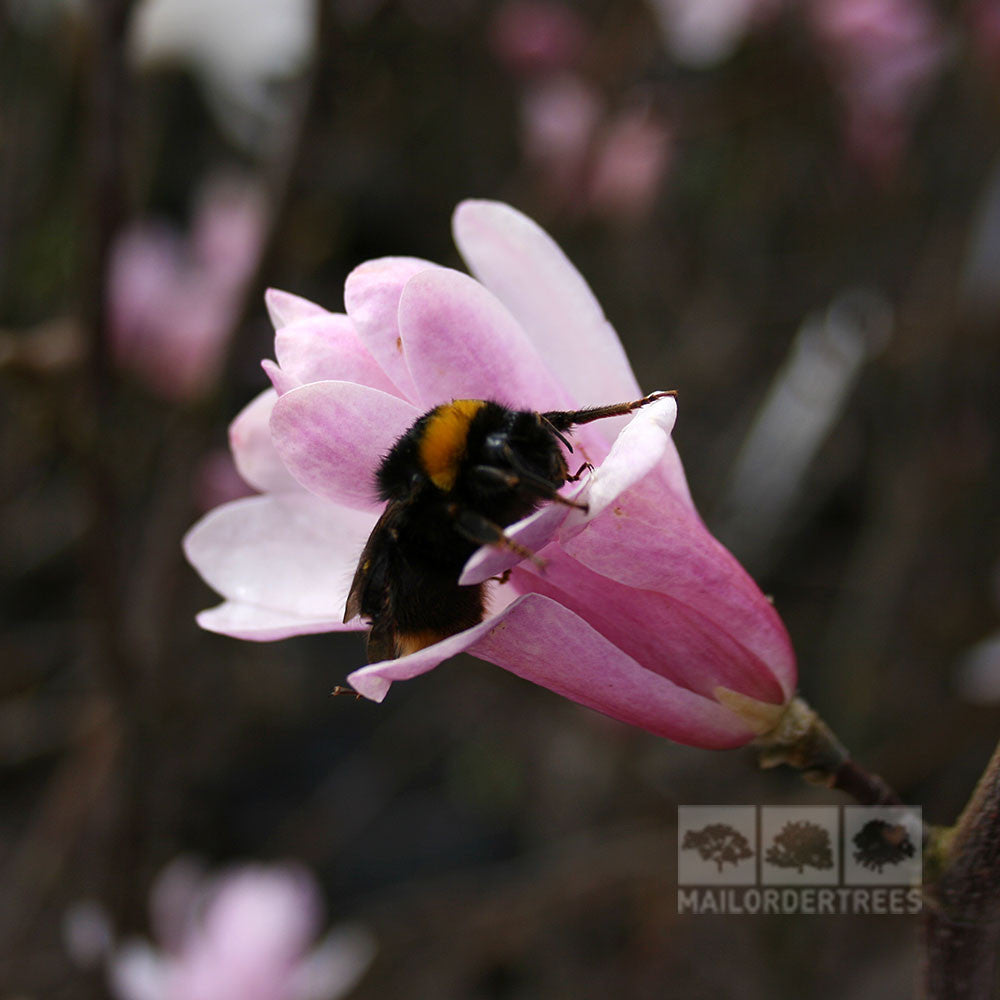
(367, 593)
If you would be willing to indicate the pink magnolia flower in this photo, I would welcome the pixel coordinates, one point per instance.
(172, 300)
(630, 164)
(882, 55)
(538, 36)
(244, 935)
(639, 613)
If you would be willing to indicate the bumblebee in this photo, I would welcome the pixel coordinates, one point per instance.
(460, 475)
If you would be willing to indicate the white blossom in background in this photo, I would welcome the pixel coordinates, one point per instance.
(703, 33)
(240, 50)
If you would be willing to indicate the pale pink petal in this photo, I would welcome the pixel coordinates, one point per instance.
(285, 308)
(638, 449)
(262, 919)
(671, 474)
(522, 265)
(256, 624)
(650, 541)
(256, 459)
(371, 297)
(542, 641)
(461, 343)
(332, 435)
(327, 347)
(281, 380)
(289, 552)
(659, 633)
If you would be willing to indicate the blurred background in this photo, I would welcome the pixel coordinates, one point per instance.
(789, 211)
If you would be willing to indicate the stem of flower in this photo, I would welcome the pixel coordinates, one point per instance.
(801, 739)
(962, 905)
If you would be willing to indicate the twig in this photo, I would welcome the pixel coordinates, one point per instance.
(804, 741)
(104, 205)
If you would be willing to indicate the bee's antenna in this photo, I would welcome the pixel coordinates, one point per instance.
(558, 433)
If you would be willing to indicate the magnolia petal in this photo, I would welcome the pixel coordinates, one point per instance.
(540, 640)
(332, 435)
(671, 472)
(543, 642)
(327, 347)
(281, 380)
(254, 453)
(523, 266)
(637, 450)
(285, 308)
(661, 634)
(290, 552)
(256, 624)
(371, 297)
(651, 541)
(461, 343)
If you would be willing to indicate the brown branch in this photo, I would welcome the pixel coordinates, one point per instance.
(103, 195)
(962, 916)
(117, 674)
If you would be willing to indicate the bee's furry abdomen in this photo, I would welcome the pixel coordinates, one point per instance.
(406, 582)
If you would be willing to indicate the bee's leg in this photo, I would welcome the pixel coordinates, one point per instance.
(340, 689)
(575, 478)
(500, 477)
(563, 420)
(483, 531)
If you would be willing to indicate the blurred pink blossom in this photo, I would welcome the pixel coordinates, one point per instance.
(531, 37)
(631, 160)
(882, 54)
(587, 160)
(640, 613)
(984, 31)
(559, 117)
(172, 301)
(243, 935)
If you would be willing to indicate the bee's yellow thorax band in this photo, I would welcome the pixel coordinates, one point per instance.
(442, 444)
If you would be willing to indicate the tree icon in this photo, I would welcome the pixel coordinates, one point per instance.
(880, 843)
(718, 842)
(801, 845)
